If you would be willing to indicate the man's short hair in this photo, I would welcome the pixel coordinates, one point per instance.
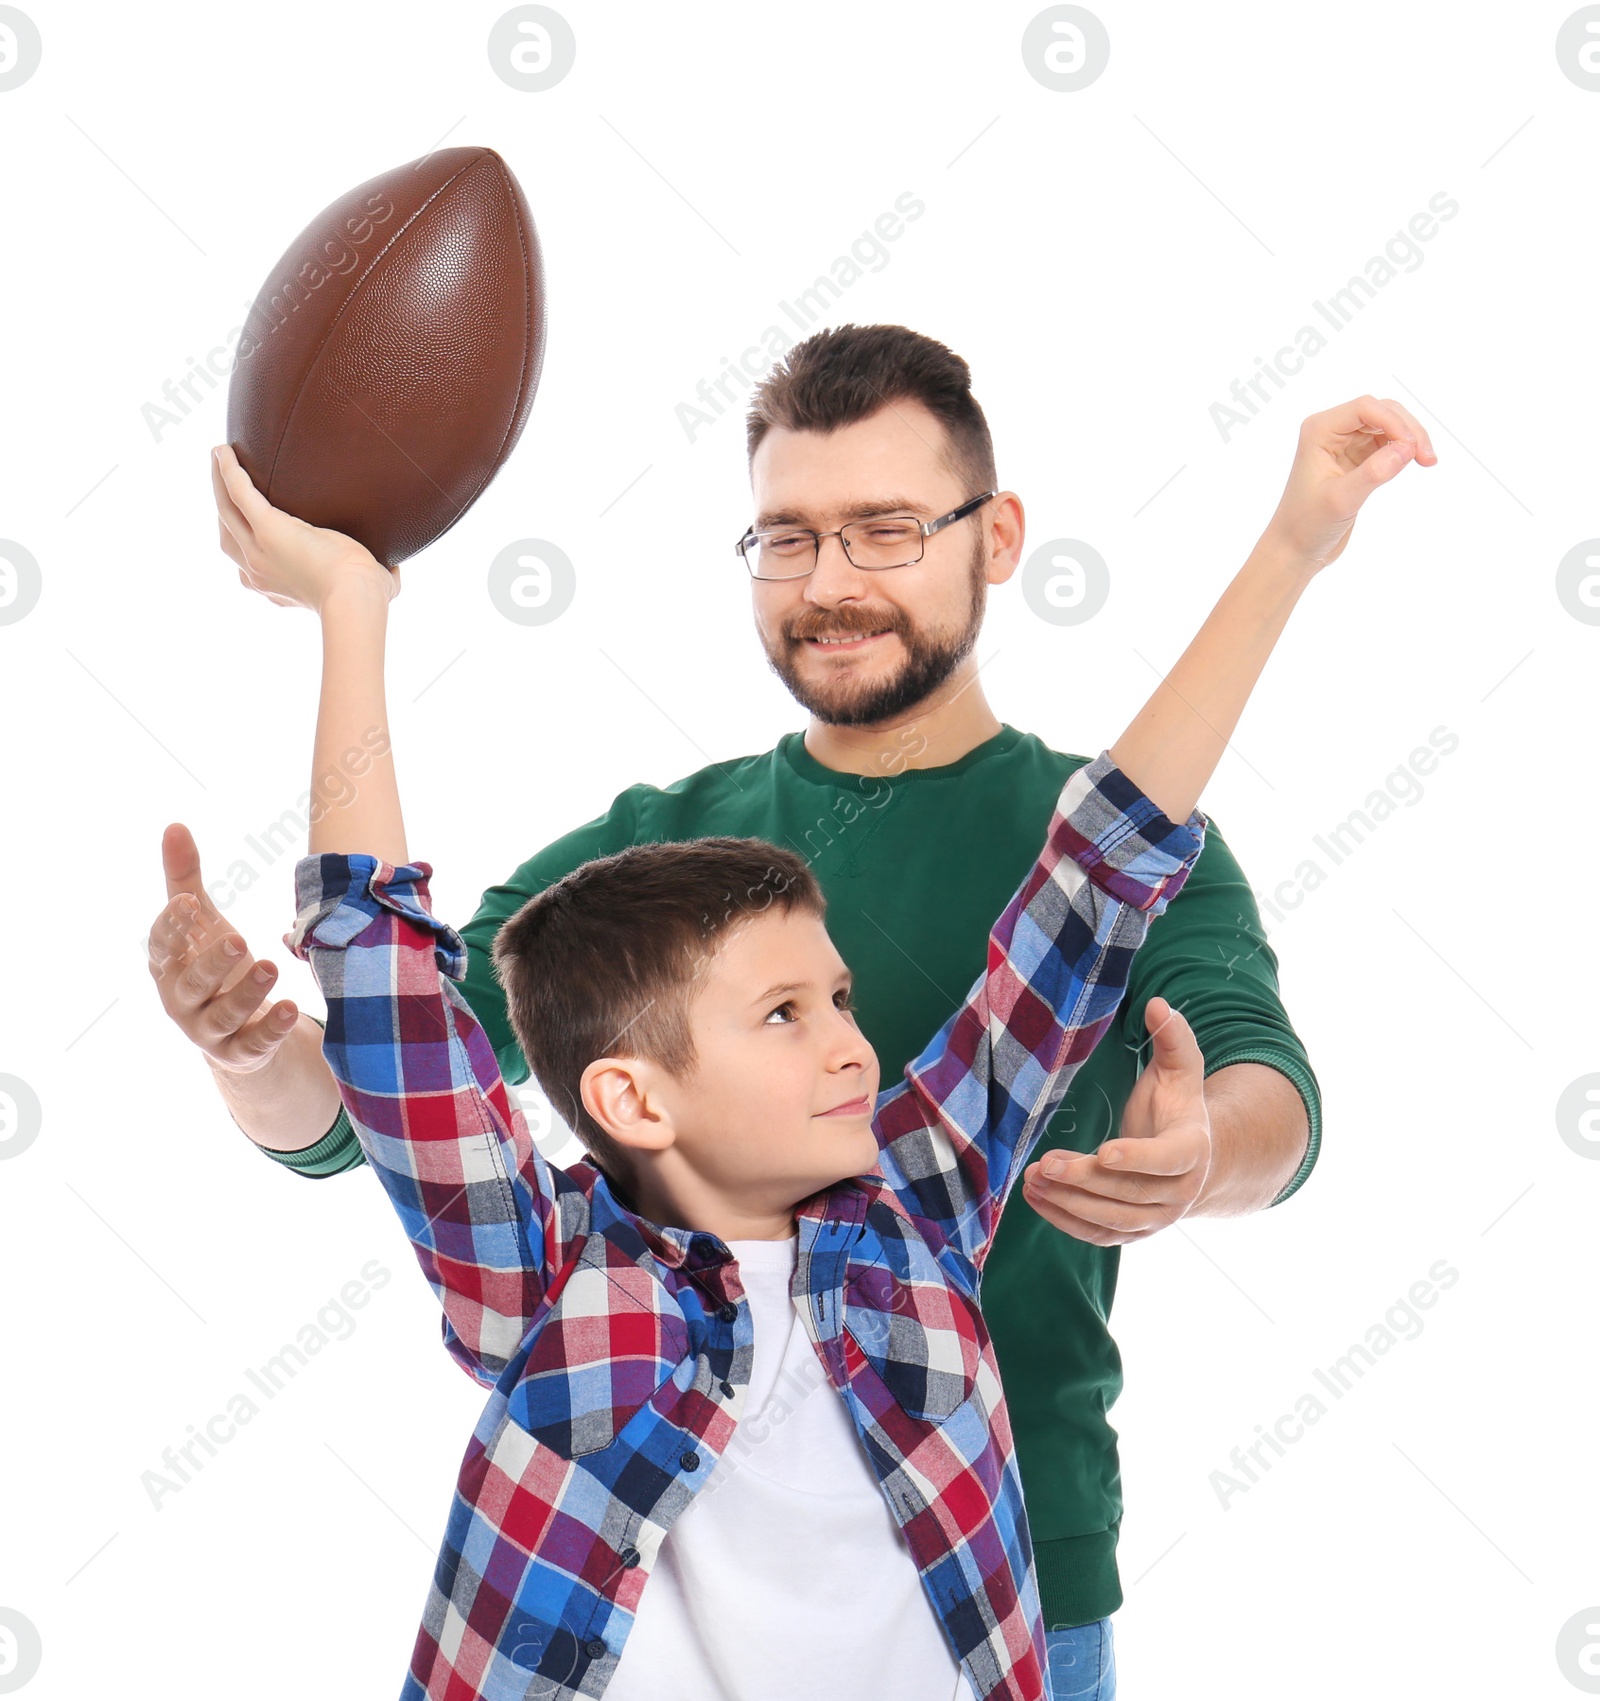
(606, 961)
(848, 372)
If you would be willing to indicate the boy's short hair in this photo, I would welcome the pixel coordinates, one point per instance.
(605, 961)
(847, 372)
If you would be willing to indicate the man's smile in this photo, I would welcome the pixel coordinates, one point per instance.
(846, 643)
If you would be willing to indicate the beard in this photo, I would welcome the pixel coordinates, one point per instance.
(930, 657)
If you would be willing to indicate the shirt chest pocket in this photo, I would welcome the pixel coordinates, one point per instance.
(613, 1337)
(922, 1337)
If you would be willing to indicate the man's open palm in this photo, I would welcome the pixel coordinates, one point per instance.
(1145, 1179)
(209, 983)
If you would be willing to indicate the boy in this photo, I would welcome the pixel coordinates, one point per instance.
(606, 1307)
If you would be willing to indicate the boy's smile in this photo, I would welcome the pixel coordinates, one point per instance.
(856, 1107)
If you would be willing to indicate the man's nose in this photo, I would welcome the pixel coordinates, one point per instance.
(835, 574)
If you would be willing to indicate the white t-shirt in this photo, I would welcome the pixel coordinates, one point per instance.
(787, 1577)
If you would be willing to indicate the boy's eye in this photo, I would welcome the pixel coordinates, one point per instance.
(841, 998)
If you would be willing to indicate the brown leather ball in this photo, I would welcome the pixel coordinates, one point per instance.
(389, 361)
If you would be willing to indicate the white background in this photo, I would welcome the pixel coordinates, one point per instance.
(1108, 261)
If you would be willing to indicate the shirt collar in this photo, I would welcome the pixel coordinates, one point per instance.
(699, 1249)
(679, 1248)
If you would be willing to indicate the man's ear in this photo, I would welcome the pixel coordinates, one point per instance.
(1007, 527)
(620, 1094)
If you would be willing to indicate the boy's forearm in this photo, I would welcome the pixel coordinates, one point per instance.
(428, 1104)
(1058, 963)
(355, 817)
(1174, 743)
(290, 1102)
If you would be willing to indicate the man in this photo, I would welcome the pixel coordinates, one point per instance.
(902, 758)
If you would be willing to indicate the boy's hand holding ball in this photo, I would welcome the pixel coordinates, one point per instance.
(289, 562)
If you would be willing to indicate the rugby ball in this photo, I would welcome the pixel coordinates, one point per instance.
(388, 363)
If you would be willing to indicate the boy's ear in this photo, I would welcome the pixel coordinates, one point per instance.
(618, 1092)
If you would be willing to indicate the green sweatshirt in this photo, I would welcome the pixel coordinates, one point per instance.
(916, 867)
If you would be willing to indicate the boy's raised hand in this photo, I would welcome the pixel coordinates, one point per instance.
(1344, 454)
(289, 562)
(1148, 1177)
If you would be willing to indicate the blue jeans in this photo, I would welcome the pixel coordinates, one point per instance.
(1081, 1663)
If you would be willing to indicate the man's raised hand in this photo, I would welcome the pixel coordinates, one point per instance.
(209, 983)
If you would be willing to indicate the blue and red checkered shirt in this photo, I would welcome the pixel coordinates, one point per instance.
(618, 1350)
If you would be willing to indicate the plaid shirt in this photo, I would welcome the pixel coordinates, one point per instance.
(618, 1350)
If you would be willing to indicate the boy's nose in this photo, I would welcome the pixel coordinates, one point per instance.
(853, 1054)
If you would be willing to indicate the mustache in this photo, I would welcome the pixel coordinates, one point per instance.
(844, 626)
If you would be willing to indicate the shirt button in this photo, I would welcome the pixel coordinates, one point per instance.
(727, 1311)
(595, 1648)
(727, 1390)
(629, 1557)
(690, 1461)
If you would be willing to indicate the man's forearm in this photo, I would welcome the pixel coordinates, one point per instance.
(289, 1103)
(1259, 1132)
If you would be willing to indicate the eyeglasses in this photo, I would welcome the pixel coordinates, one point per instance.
(790, 552)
